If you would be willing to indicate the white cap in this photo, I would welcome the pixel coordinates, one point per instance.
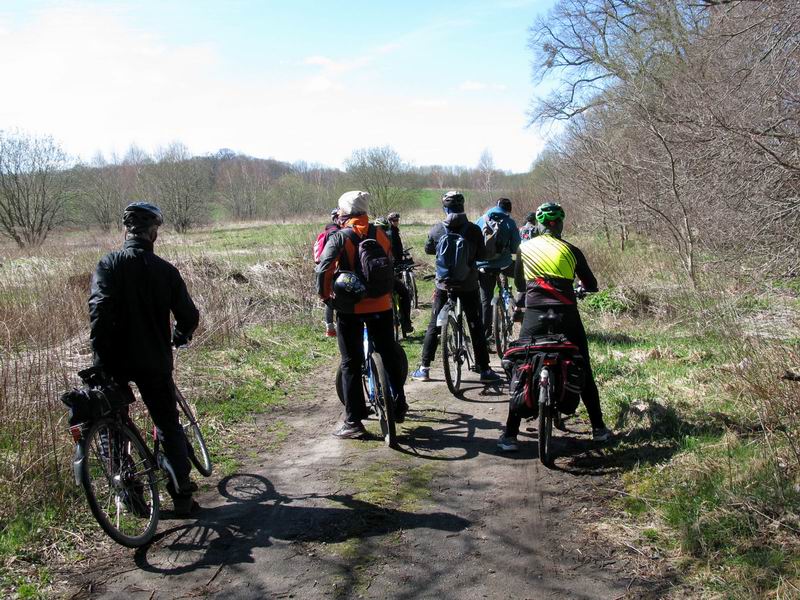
(355, 202)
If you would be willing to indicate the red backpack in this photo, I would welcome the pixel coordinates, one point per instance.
(322, 239)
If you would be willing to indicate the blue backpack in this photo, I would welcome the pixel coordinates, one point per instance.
(452, 257)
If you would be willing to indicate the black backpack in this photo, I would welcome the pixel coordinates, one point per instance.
(373, 265)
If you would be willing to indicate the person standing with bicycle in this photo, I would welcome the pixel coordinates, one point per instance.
(466, 290)
(133, 293)
(356, 273)
(546, 268)
(403, 293)
(502, 240)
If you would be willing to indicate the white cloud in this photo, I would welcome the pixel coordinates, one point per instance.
(86, 76)
(472, 86)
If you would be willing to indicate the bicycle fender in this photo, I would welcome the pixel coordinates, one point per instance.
(77, 461)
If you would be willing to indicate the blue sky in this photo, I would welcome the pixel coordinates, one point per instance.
(438, 81)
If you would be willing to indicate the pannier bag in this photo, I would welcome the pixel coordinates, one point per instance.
(98, 397)
(574, 376)
(525, 389)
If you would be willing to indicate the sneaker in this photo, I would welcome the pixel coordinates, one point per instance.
(489, 376)
(330, 330)
(507, 443)
(601, 434)
(408, 328)
(350, 430)
(422, 374)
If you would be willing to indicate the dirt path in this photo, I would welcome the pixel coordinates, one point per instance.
(446, 517)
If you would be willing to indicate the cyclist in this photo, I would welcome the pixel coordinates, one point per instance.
(497, 223)
(397, 255)
(319, 246)
(529, 230)
(338, 280)
(394, 232)
(133, 293)
(546, 267)
(456, 222)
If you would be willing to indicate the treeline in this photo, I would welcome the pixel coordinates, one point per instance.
(41, 188)
(681, 122)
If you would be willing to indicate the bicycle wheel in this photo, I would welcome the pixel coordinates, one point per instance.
(451, 355)
(545, 427)
(384, 400)
(411, 284)
(497, 327)
(119, 478)
(398, 331)
(198, 451)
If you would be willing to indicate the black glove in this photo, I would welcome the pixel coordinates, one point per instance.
(179, 339)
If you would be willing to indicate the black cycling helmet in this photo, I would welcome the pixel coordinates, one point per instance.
(453, 199)
(393, 216)
(348, 287)
(140, 216)
(504, 204)
(550, 212)
(531, 218)
(335, 215)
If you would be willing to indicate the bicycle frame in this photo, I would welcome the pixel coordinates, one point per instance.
(372, 377)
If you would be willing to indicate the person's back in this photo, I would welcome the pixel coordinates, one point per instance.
(133, 293)
(508, 237)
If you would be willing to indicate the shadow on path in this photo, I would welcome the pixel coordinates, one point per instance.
(256, 514)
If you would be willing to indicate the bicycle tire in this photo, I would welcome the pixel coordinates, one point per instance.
(545, 427)
(384, 400)
(131, 485)
(497, 327)
(451, 355)
(198, 451)
(411, 284)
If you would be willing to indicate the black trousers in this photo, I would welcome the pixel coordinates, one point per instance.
(405, 301)
(488, 283)
(158, 395)
(572, 327)
(350, 335)
(329, 316)
(470, 303)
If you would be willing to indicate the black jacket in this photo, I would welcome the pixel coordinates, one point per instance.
(455, 222)
(397, 244)
(133, 293)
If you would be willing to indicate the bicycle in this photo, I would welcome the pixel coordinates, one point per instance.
(503, 310)
(406, 269)
(556, 378)
(119, 473)
(378, 386)
(456, 343)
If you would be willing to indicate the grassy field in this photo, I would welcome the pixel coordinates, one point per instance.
(705, 470)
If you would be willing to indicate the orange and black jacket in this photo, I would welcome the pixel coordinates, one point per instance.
(341, 249)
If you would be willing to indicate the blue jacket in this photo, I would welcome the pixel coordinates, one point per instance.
(508, 233)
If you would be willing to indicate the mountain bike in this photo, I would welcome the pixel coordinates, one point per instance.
(503, 309)
(407, 276)
(120, 474)
(378, 388)
(456, 343)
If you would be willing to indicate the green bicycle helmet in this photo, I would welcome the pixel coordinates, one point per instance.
(382, 222)
(549, 212)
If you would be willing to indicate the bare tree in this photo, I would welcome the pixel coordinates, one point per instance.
(33, 187)
(486, 171)
(380, 172)
(105, 189)
(180, 185)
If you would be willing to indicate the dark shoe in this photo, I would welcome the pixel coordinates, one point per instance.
(489, 376)
(185, 506)
(400, 412)
(422, 374)
(350, 431)
(507, 443)
(601, 434)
